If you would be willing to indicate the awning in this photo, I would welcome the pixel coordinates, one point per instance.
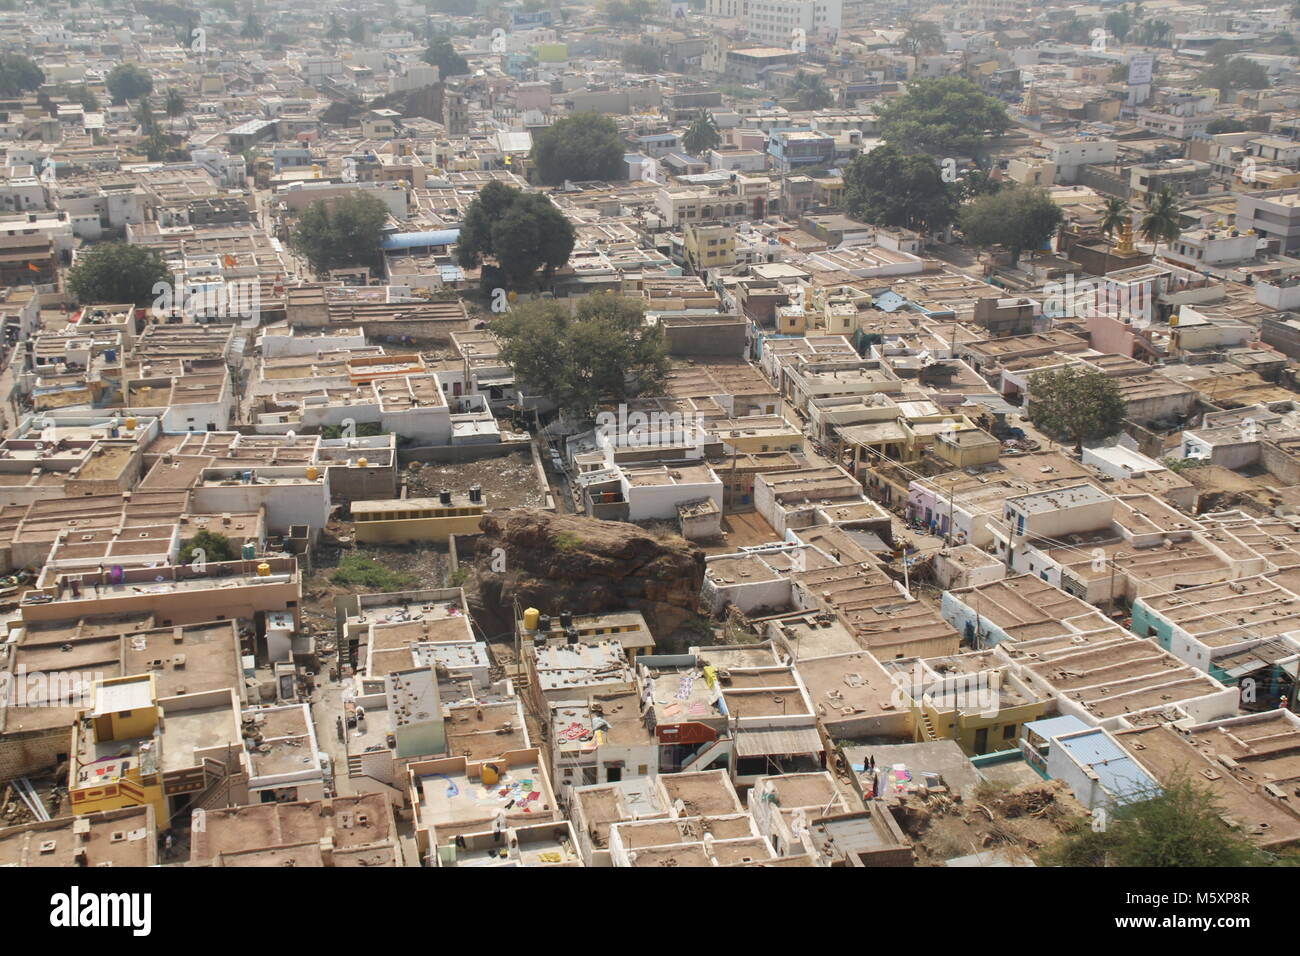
(778, 741)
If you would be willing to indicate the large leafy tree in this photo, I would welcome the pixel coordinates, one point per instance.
(116, 272)
(702, 135)
(1236, 74)
(642, 58)
(344, 232)
(888, 188)
(581, 147)
(628, 12)
(444, 56)
(1181, 826)
(18, 74)
(1077, 403)
(128, 82)
(923, 36)
(601, 351)
(523, 231)
(1016, 217)
(948, 116)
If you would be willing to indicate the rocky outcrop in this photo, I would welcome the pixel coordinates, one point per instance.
(564, 562)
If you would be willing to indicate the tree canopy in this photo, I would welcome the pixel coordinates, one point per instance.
(1225, 124)
(18, 74)
(444, 56)
(642, 58)
(630, 12)
(1236, 74)
(128, 82)
(344, 232)
(600, 351)
(580, 147)
(947, 116)
(1015, 217)
(888, 188)
(214, 545)
(810, 92)
(1180, 826)
(117, 272)
(1080, 404)
(702, 135)
(523, 231)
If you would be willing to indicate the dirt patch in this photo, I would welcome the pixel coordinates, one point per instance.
(1019, 819)
(509, 481)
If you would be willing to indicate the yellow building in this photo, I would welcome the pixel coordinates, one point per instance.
(418, 519)
(116, 749)
(961, 698)
(709, 245)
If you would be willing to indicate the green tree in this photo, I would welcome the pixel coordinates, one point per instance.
(923, 36)
(1179, 826)
(1077, 403)
(810, 92)
(444, 56)
(1225, 124)
(1118, 24)
(1160, 220)
(334, 31)
(601, 351)
(1114, 213)
(1233, 75)
(581, 147)
(115, 273)
(522, 231)
(345, 232)
(128, 82)
(214, 545)
(18, 75)
(888, 188)
(1016, 217)
(702, 135)
(628, 12)
(175, 103)
(948, 116)
(642, 58)
(252, 29)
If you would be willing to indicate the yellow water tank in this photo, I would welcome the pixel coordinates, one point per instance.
(362, 463)
(312, 472)
(130, 423)
(490, 775)
(531, 617)
(263, 570)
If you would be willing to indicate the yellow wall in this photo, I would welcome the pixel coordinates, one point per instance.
(400, 530)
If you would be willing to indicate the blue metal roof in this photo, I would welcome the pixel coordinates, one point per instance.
(413, 240)
(1054, 726)
(1115, 769)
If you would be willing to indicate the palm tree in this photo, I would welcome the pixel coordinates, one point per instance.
(175, 105)
(1160, 222)
(701, 135)
(810, 91)
(1113, 216)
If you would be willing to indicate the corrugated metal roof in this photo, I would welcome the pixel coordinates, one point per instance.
(779, 740)
(1116, 770)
